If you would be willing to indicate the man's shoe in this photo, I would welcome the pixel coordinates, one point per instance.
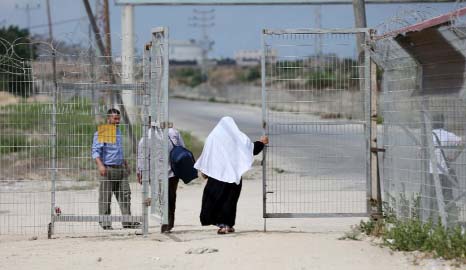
(133, 225)
(107, 228)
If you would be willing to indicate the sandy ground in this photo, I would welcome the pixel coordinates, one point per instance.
(287, 244)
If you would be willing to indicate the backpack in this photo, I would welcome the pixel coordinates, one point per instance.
(182, 163)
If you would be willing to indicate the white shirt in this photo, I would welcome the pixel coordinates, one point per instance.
(446, 139)
(173, 134)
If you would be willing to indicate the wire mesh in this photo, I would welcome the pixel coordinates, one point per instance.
(423, 109)
(159, 99)
(314, 112)
(51, 108)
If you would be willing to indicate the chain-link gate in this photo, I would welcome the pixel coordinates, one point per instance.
(315, 90)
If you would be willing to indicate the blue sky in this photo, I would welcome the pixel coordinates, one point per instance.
(236, 27)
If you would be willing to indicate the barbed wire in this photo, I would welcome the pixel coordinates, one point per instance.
(406, 17)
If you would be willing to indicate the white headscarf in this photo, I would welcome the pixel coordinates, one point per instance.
(227, 153)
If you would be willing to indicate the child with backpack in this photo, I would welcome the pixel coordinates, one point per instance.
(175, 141)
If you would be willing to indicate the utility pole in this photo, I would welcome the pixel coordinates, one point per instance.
(108, 40)
(109, 63)
(204, 19)
(28, 7)
(49, 21)
(318, 25)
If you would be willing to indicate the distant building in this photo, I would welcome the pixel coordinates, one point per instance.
(251, 57)
(185, 52)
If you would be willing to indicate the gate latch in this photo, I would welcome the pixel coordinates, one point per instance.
(376, 150)
(164, 125)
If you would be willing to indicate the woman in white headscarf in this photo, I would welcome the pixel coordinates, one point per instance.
(227, 154)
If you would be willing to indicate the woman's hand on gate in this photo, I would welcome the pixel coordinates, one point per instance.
(264, 139)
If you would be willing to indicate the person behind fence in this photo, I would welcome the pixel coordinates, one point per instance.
(442, 139)
(175, 139)
(227, 154)
(107, 151)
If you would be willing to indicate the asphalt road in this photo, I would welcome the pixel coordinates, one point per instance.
(332, 147)
(200, 117)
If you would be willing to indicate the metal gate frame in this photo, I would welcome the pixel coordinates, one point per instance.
(367, 119)
(159, 122)
(155, 117)
(57, 217)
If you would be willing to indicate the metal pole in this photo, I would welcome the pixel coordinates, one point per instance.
(366, 61)
(53, 145)
(146, 153)
(165, 85)
(54, 124)
(264, 132)
(376, 195)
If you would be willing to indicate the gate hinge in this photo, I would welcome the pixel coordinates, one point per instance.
(375, 149)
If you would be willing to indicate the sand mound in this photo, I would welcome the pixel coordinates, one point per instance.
(8, 98)
(39, 98)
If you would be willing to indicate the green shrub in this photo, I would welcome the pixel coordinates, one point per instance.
(191, 77)
(192, 143)
(250, 74)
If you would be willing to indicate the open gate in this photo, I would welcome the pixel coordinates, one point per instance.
(316, 93)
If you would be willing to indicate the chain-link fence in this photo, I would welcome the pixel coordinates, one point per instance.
(423, 108)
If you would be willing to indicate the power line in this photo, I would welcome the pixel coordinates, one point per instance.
(28, 6)
(59, 22)
(204, 20)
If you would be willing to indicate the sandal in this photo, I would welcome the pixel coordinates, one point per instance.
(222, 230)
(230, 229)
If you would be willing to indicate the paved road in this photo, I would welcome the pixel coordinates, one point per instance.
(200, 117)
(318, 145)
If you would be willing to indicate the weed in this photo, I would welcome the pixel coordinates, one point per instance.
(409, 233)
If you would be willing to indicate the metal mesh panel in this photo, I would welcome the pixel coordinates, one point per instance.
(314, 113)
(47, 173)
(423, 108)
(24, 151)
(159, 111)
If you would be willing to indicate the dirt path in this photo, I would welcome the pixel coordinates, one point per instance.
(287, 244)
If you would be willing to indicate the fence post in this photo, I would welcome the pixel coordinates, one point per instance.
(53, 146)
(376, 197)
(264, 129)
